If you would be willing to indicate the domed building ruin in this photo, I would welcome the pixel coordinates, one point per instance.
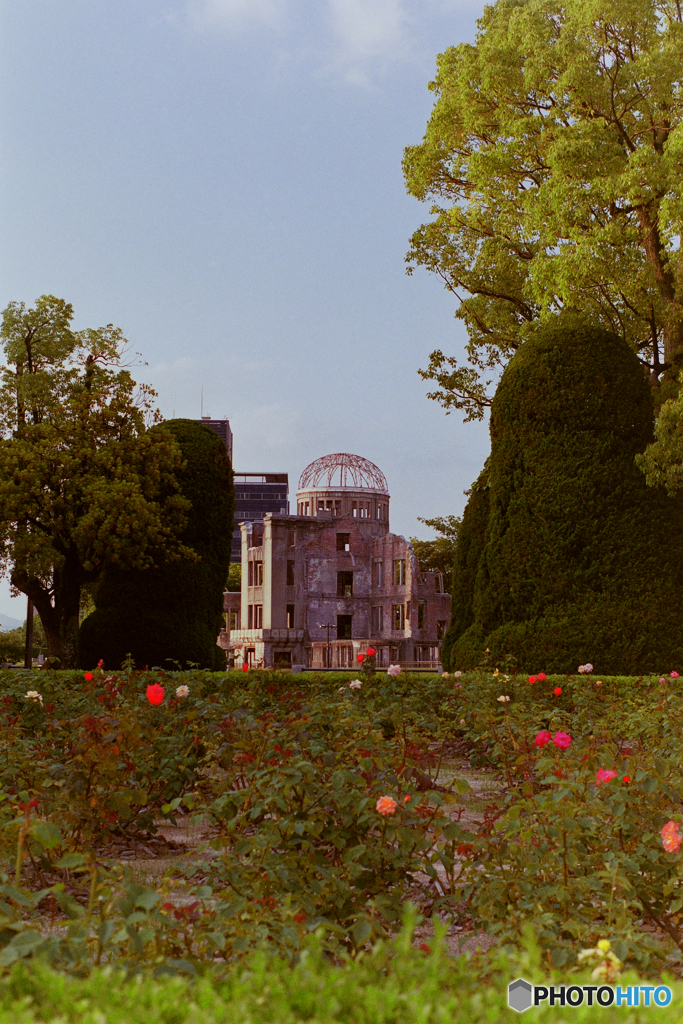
(321, 586)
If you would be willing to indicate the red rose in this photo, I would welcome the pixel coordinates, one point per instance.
(541, 677)
(557, 691)
(87, 676)
(155, 693)
(245, 668)
(361, 657)
(370, 652)
(532, 679)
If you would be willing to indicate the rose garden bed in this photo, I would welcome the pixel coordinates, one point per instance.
(313, 807)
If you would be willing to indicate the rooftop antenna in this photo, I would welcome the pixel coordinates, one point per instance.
(202, 401)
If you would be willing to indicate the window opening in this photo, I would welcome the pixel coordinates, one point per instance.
(344, 584)
(344, 627)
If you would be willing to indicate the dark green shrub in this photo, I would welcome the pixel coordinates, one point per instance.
(468, 551)
(173, 612)
(581, 560)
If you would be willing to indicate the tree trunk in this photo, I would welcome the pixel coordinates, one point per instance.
(666, 282)
(59, 613)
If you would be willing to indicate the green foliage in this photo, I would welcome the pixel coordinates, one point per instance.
(662, 461)
(572, 564)
(234, 577)
(13, 642)
(175, 612)
(552, 159)
(301, 859)
(289, 778)
(81, 476)
(466, 557)
(13, 645)
(572, 843)
(393, 983)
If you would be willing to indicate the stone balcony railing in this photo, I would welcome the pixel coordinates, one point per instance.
(252, 635)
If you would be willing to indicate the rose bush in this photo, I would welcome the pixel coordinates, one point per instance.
(325, 806)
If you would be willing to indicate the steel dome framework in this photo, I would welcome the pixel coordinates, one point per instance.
(343, 465)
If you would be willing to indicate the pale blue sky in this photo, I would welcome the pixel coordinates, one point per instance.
(222, 180)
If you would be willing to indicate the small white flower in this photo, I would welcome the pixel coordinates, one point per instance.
(457, 674)
(182, 691)
(502, 699)
(462, 721)
(588, 667)
(342, 689)
(355, 684)
(34, 695)
(394, 670)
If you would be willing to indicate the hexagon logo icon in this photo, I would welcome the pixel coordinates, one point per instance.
(520, 995)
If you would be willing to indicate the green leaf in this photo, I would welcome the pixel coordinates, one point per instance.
(47, 834)
(67, 903)
(147, 900)
(105, 931)
(71, 860)
(559, 956)
(361, 931)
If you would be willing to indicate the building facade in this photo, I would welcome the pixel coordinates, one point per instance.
(257, 494)
(321, 586)
(222, 428)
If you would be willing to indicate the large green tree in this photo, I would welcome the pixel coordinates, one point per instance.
(554, 162)
(564, 554)
(83, 482)
(173, 613)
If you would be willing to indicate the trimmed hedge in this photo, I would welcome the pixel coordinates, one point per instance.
(581, 561)
(468, 551)
(173, 613)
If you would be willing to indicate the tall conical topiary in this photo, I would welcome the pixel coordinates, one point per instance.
(581, 560)
(173, 613)
(468, 551)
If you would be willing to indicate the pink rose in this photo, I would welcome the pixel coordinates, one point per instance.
(542, 738)
(604, 775)
(562, 740)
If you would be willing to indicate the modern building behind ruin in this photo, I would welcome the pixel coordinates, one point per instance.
(321, 586)
(256, 494)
